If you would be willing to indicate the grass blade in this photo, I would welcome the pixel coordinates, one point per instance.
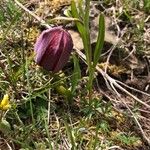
(76, 74)
(70, 135)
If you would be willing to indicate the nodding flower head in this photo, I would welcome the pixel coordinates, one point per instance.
(53, 48)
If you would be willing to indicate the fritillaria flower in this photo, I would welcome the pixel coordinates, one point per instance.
(53, 48)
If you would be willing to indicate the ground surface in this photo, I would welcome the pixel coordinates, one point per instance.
(41, 117)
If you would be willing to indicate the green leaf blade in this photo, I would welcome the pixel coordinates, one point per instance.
(76, 74)
(100, 40)
(75, 14)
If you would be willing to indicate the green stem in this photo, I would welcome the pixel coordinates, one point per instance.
(90, 82)
(88, 48)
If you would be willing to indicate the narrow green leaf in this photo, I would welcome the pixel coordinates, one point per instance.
(87, 12)
(76, 74)
(100, 40)
(75, 14)
(74, 10)
(81, 28)
(80, 7)
(87, 41)
(96, 137)
(70, 135)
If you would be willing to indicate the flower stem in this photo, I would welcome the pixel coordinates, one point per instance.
(88, 48)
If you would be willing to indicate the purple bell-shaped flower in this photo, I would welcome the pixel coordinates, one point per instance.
(53, 48)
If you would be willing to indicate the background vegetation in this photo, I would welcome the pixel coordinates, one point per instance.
(55, 111)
